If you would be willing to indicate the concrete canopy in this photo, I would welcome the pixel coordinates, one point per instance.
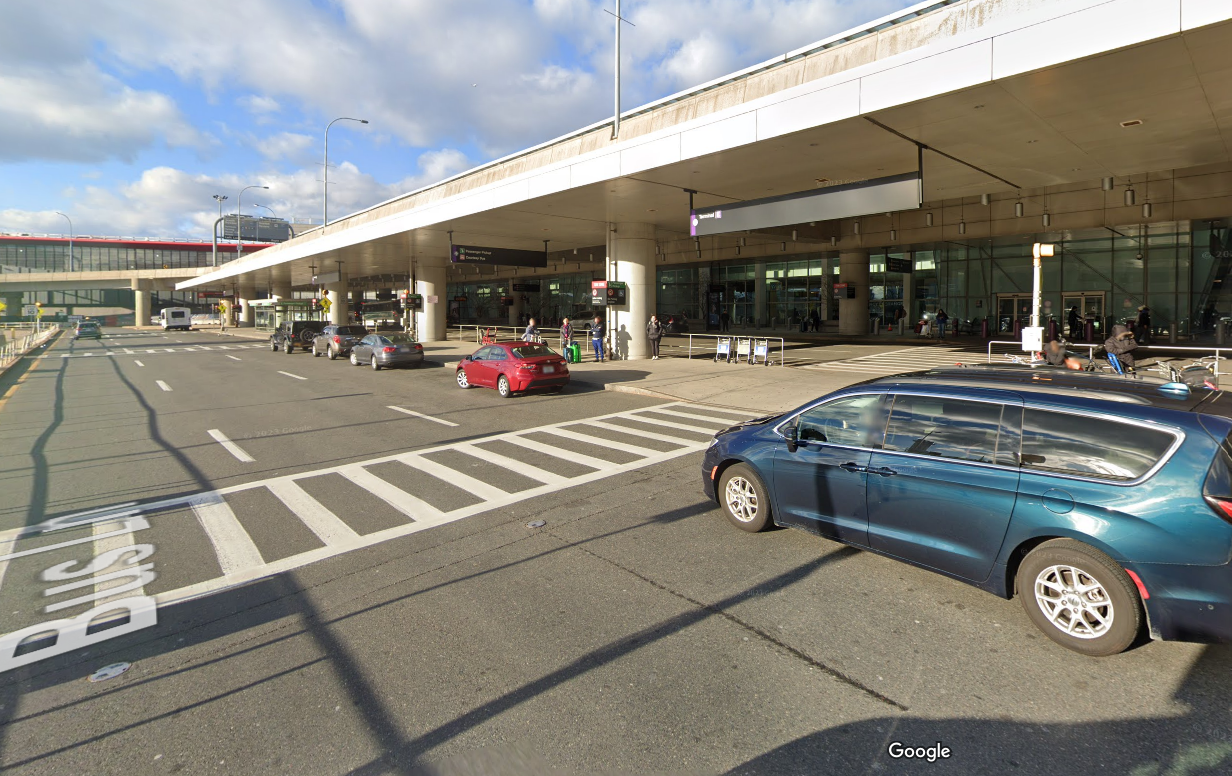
(1015, 95)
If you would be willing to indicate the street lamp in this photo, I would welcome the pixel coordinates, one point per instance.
(272, 215)
(219, 198)
(325, 192)
(239, 218)
(70, 240)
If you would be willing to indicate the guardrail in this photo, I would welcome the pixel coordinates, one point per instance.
(1217, 352)
(712, 352)
(12, 350)
(508, 333)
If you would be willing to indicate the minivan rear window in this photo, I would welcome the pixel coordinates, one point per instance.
(1084, 446)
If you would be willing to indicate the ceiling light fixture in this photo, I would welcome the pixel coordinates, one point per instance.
(1108, 184)
(833, 241)
(783, 246)
(855, 227)
(985, 199)
(793, 235)
(928, 219)
(1047, 220)
(1018, 209)
(1131, 196)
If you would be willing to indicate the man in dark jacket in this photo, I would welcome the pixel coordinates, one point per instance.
(596, 337)
(1144, 324)
(1075, 324)
(1122, 345)
(654, 331)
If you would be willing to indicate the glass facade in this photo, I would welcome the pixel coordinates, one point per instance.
(485, 302)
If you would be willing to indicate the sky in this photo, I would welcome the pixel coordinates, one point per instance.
(129, 115)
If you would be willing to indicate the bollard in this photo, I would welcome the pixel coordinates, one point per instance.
(1089, 331)
(1220, 327)
(1052, 329)
(1017, 328)
(1172, 333)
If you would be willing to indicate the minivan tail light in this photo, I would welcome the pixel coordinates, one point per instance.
(1222, 507)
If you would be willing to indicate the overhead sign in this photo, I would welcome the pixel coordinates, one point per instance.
(509, 257)
(209, 294)
(29, 309)
(257, 229)
(527, 287)
(898, 265)
(879, 195)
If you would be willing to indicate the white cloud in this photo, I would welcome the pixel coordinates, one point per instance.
(285, 145)
(258, 104)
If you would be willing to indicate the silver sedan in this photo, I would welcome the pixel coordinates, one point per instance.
(388, 349)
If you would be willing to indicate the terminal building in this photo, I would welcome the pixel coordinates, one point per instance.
(1103, 126)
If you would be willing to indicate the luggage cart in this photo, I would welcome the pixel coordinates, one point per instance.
(744, 349)
(489, 336)
(761, 349)
(723, 349)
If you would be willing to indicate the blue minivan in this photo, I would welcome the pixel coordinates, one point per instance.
(1103, 502)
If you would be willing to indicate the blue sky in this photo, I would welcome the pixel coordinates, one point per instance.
(129, 114)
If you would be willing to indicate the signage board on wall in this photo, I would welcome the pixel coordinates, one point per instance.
(898, 265)
(617, 293)
(509, 257)
(879, 195)
(526, 287)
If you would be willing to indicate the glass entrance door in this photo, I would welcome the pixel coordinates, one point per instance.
(1090, 306)
(1011, 307)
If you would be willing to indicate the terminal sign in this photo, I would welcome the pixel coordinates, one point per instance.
(509, 257)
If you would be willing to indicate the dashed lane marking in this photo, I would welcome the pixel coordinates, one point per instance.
(138, 363)
(234, 358)
(230, 446)
(288, 374)
(405, 411)
(162, 385)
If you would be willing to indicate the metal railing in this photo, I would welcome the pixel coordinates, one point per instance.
(13, 349)
(713, 351)
(1217, 352)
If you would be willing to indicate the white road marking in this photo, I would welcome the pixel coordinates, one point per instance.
(405, 411)
(288, 374)
(138, 363)
(671, 424)
(694, 416)
(230, 446)
(232, 545)
(525, 469)
(328, 527)
(233, 358)
(162, 385)
(404, 502)
(448, 474)
(107, 537)
(565, 455)
(636, 432)
(600, 441)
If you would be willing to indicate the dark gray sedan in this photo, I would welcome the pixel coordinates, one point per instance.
(387, 349)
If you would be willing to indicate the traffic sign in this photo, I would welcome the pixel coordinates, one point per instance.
(29, 309)
(325, 303)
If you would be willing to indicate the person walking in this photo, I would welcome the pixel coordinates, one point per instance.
(596, 338)
(532, 332)
(724, 321)
(654, 331)
(1075, 324)
(815, 320)
(942, 320)
(1144, 325)
(566, 336)
(1122, 345)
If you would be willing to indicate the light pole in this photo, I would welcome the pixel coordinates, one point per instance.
(272, 215)
(70, 240)
(219, 198)
(239, 219)
(325, 192)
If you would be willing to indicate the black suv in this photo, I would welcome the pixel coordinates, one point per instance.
(292, 333)
(335, 340)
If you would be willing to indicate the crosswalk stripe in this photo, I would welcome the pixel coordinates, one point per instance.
(670, 424)
(448, 474)
(525, 469)
(694, 416)
(638, 432)
(600, 441)
(565, 455)
(399, 499)
(232, 544)
(328, 527)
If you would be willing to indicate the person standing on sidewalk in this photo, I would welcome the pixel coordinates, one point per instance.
(596, 338)
(654, 331)
(724, 321)
(942, 320)
(566, 336)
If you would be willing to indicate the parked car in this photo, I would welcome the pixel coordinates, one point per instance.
(292, 333)
(387, 349)
(337, 340)
(1104, 504)
(513, 367)
(87, 330)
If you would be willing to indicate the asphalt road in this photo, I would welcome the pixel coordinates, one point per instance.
(366, 595)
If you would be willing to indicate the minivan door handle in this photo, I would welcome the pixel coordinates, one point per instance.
(853, 467)
(883, 471)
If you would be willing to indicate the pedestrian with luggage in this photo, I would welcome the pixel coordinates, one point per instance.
(596, 338)
(654, 331)
(566, 336)
(532, 332)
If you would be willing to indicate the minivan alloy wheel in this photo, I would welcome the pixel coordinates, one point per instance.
(741, 498)
(1074, 601)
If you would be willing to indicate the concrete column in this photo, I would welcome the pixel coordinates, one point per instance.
(244, 294)
(12, 301)
(759, 293)
(141, 307)
(853, 313)
(633, 254)
(430, 322)
(339, 310)
(515, 309)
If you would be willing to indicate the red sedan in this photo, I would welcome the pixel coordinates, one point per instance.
(512, 367)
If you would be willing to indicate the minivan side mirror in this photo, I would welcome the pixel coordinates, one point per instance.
(792, 434)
